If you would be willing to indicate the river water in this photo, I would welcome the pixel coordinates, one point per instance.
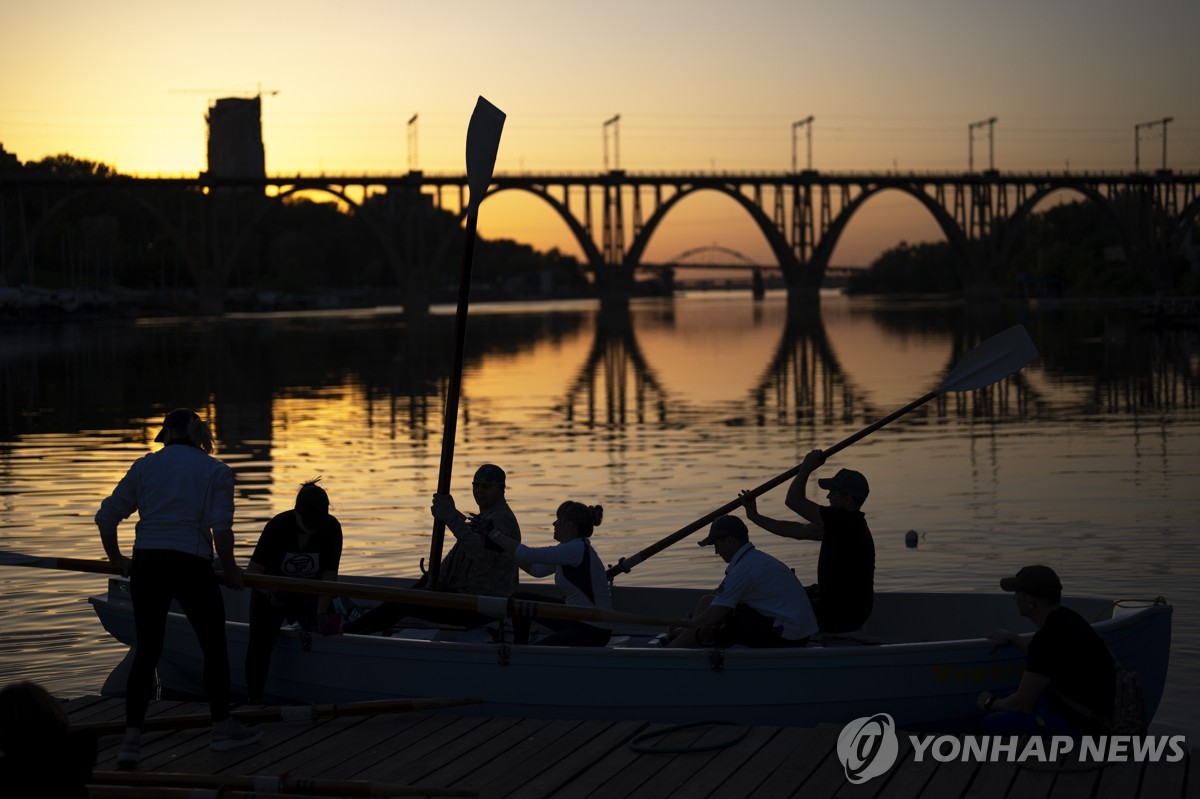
(1088, 460)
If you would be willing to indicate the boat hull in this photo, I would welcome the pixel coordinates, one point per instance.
(921, 683)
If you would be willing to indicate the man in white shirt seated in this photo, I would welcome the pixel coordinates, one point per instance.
(760, 603)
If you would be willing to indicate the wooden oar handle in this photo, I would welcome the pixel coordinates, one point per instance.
(496, 607)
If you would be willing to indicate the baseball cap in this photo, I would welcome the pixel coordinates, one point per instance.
(178, 419)
(1037, 581)
(847, 481)
(489, 473)
(723, 526)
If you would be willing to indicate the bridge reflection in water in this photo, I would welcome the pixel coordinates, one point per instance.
(803, 385)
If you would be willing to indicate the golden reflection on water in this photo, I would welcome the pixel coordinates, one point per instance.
(1088, 460)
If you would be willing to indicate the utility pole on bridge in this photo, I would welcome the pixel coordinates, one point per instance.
(1137, 137)
(412, 144)
(991, 124)
(807, 121)
(615, 124)
(614, 213)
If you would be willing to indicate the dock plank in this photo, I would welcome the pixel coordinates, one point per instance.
(906, 779)
(682, 767)
(441, 760)
(1165, 779)
(992, 782)
(951, 780)
(512, 758)
(1033, 781)
(781, 747)
(624, 771)
(506, 769)
(814, 747)
(606, 740)
(727, 768)
(1119, 781)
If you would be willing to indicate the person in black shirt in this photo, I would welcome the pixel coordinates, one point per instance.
(844, 593)
(305, 542)
(1070, 678)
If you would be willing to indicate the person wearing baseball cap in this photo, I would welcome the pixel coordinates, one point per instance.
(844, 592)
(760, 603)
(1069, 683)
(474, 565)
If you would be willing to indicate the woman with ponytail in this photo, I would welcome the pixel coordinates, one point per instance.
(578, 573)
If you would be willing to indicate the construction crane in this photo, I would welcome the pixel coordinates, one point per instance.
(228, 92)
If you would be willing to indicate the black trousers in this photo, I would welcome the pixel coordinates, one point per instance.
(265, 620)
(748, 627)
(157, 577)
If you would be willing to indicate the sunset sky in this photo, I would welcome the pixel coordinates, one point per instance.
(698, 86)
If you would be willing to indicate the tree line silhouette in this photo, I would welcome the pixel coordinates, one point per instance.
(110, 246)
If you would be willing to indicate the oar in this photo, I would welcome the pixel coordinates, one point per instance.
(293, 713)
(138, 784)
(1000, 356)
(483, 140)
(495, 606)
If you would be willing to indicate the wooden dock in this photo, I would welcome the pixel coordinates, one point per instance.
(532, 758)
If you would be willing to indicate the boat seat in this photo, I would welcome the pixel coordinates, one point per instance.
(618, 640)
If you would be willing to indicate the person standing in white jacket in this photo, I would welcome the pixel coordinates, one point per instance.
(184, 500)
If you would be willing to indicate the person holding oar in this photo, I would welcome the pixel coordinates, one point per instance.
(305, 542)
(474, 564)
(184, 500)
(578, 573)
(760, 603)
(844, 593)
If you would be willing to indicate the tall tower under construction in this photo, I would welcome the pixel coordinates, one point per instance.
(235, 144)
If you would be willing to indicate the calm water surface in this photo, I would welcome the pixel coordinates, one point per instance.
(1087, 461)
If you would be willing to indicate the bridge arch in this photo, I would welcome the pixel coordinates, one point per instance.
(1021, 215)
(594, 260)
(1182, 227)
(775, 239)
(380, 235)
(134, 199)
(823, 251)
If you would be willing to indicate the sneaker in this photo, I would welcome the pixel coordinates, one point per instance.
(129, 755)
(230, 734)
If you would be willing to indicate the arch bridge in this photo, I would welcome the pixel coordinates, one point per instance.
(614, 215)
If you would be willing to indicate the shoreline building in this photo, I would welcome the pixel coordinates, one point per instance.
(235, 143)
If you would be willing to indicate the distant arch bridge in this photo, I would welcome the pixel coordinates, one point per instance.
(614, 215)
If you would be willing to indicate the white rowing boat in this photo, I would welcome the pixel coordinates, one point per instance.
(921, 657)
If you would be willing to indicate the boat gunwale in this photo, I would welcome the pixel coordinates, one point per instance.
(863, 649)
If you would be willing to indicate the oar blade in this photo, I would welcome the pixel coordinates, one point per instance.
(483, 142)
(1003, 354)
(18, 559)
